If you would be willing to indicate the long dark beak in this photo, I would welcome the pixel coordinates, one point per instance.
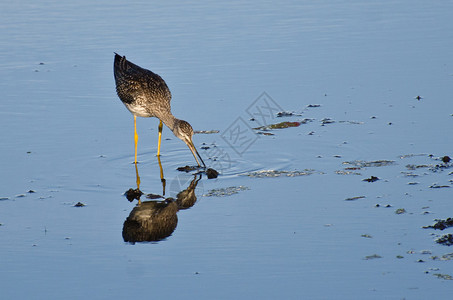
(194, 151)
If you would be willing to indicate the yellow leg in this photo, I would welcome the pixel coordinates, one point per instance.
(160, 138)
(162, 179)
(137, 177)
(138, 181)
(135, 137)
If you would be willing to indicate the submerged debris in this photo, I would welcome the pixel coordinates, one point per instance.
(365, 164)
(443, 276)
(371, 179)
(448, 256)
(412, 155)
(368, 257)
(440, 167)
(433, 167)
(346, 172)
(222, 192)
(415, 167)
(354, 198)
(327, 121)
(446, 240)
(351, 122)
(274, 173)
(441, 224)
(409, 174)
(280, 125)
(287, 114)
(265, 133)
(400, 211)
(436, 186)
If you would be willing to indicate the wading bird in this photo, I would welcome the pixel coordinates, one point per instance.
(145, 94)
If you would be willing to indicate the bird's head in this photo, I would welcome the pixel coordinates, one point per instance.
(184, 131)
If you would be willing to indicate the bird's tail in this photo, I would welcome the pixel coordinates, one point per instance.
(120, 62)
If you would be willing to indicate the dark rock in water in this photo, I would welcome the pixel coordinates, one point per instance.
(186, 169)
(446, 240)
(79, 204)
(132, 194)
(441, 224)
(446, 159)
(211, 173)
(371, 179)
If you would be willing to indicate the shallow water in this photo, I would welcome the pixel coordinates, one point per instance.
(279, 220)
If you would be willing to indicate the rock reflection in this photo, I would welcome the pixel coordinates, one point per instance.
(155, 220)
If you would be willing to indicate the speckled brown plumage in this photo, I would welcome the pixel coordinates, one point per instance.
(141, 88)
(145, 94)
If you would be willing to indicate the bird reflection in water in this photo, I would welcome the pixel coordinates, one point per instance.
(155, 220)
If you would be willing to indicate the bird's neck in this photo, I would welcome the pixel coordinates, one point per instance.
(169, 120)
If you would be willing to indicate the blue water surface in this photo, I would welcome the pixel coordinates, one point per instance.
(349, 71)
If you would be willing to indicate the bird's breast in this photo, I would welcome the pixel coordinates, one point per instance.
(139, 110)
